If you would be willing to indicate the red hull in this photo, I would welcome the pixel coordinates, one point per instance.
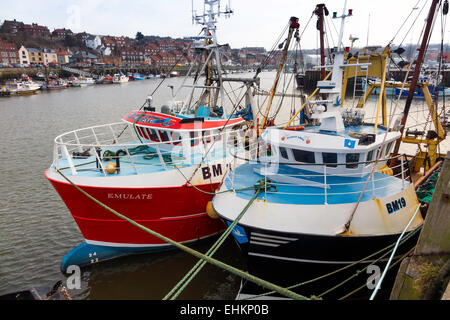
(177, 213)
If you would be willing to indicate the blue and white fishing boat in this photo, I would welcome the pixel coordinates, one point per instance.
(419, 94)
(138, 76)
(86, 81)
(434, 84)
(329, 198)
(390, 91)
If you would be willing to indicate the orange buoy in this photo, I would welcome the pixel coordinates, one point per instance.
(111, 168)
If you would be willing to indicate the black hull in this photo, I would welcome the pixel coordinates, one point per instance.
(287, 259)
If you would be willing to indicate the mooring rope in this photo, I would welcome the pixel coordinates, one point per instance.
(365, 268)
(260, 185)
(391, 266)
(217, 263)
(392, 255)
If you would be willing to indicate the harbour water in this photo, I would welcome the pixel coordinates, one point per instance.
(36, 229)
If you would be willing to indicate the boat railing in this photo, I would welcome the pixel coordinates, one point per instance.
(92, 141)
(378, 175)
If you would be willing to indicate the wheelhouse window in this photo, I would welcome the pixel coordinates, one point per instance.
(176, 138)
(380, 153)
(284, 153)
(369, 156)
(330, 159)
(153, 134)
(351, 160)
(303, 156)
(164, 135)
(388, 148)
(142, 133)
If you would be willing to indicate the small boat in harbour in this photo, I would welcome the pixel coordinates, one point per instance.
(86, 81)
(108, 79)
(73, 82)
(57, 84)
(120, 78)
(5, 92)
(23, 87)
(25, 77)
(100, 80)
(53, 75)
(40, 76)
(138, 76)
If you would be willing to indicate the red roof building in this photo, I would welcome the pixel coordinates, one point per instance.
(120, 41)
(36, 30)
(132, 56)
(167, 59)
(109, 43)
(63, 56)
(151, 49)
(61, 33)
(8, 53)
(82, 36)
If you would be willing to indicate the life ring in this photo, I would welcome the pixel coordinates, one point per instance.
(297, 128)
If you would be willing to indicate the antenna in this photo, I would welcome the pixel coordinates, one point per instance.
(193, 12)
(208, 18)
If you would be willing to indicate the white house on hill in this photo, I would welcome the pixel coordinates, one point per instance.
(93, 42)
(23, 55)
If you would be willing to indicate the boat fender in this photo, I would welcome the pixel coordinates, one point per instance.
(111, 167)
(210, 211)
(386, 170)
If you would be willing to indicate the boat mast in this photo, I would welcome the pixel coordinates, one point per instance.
(320, 11)
(208, 20)
(416, 74)
(337, 70)
(293, 26)
(329, 110)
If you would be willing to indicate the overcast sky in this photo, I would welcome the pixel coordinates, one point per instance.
(254, 23)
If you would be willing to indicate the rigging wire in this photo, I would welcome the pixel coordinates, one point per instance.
(328, 28)
(272, 51)
(334, 27)
(412, 24)
(404, 22)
